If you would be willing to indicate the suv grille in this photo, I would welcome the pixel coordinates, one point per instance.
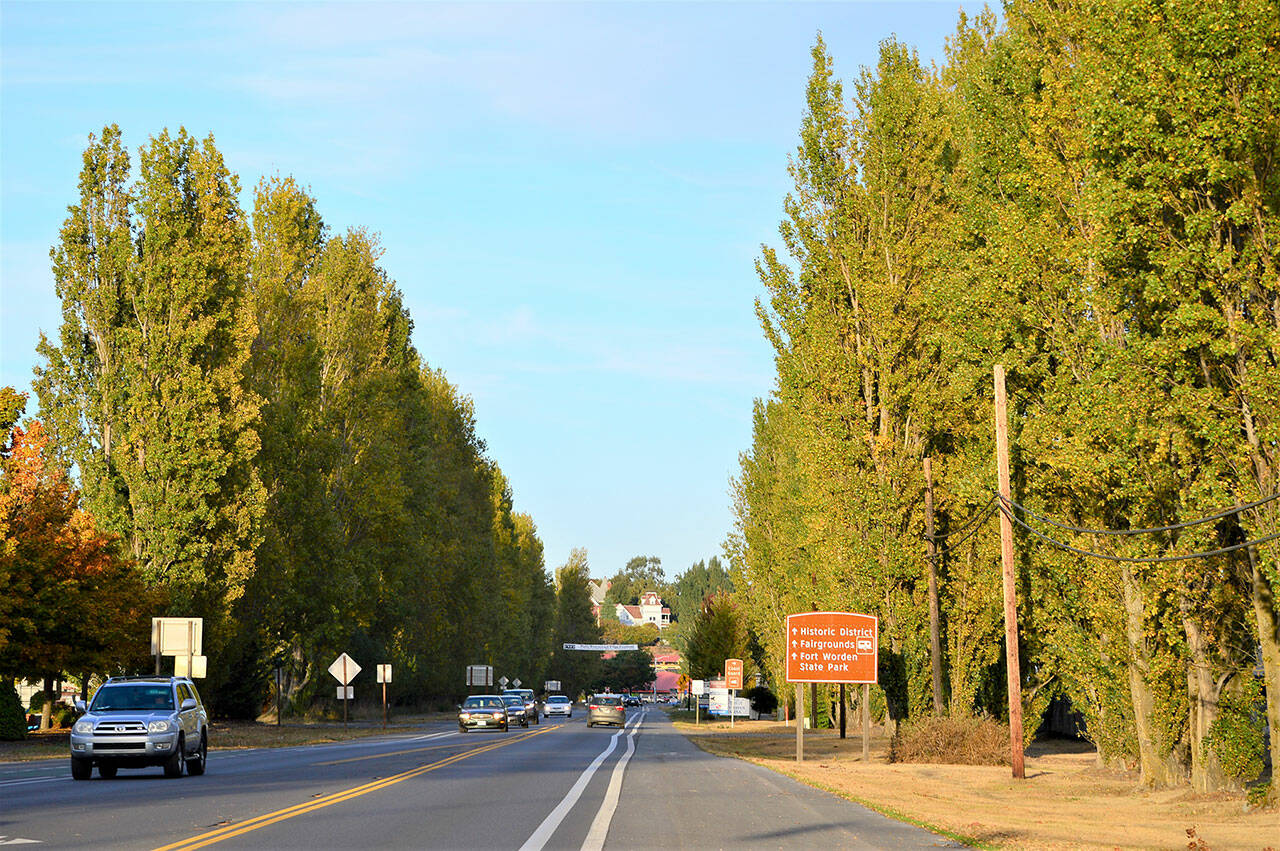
(120, 728)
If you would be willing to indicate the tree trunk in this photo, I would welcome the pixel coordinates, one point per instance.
(1156, 772)
(935, 640)
(1264, 610)
(46, 711)
(1202, 695)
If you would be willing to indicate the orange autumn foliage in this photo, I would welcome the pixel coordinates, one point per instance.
(70, 601)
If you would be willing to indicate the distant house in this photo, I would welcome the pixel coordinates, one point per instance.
(650, 610)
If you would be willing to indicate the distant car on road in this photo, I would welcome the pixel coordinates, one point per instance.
(606, 709)
(530, 703)
(515, 709)
(483, 712)
(631, 700)
(557, 704)
(135, 722)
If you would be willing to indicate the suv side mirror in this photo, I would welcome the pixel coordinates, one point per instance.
(79, 704)
(188, 703)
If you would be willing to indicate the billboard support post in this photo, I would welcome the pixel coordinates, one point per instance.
(800, 723)
(842, 710)
(866, 722)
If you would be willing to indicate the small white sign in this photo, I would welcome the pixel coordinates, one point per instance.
(479, 675)
(515, 683)
(344, 669)
(502, 681)
(199, 667)
(384, 673)
(699, 687)
(346, 692)
(551, 685)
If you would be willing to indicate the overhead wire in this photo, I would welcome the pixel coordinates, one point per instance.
(977, 517)
(1008, 512)
(1183, 525)
(976, 524)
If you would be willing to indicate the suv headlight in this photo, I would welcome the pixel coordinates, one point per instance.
(159, 727)
(83, 727)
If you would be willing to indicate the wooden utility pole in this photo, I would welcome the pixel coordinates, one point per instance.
(1010, 590)
(935, 640)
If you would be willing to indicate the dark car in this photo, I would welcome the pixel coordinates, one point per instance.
(631, 700)
(606, 709)
(135, 722)
(483, 712)
(515, 709)
(530, 703)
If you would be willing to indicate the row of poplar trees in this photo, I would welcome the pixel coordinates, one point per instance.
(240, 400)
(1087, 192)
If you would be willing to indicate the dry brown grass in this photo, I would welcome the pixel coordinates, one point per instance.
(1065, 802)
(951, 741)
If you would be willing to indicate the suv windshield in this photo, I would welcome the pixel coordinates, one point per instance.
(557, 698)
(132, 698)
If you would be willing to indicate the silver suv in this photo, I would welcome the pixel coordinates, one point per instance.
(134, 722)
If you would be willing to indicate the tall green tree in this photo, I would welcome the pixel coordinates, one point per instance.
(575, 669)
(147, 389)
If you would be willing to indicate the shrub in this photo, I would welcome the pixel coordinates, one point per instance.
(13, 721)
(762, 700)
(61, 716)
(956, 741)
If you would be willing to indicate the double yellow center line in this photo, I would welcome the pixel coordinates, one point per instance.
(243, 827)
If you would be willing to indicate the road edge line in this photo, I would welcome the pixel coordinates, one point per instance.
(604, 816)
(538, 839)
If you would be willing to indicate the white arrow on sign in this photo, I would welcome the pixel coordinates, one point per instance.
(344, 669)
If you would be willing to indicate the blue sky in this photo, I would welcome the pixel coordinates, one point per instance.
(571, 197)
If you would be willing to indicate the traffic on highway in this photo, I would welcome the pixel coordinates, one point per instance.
(555, 784)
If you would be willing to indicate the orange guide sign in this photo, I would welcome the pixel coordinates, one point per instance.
(733, 674)
(832, 647)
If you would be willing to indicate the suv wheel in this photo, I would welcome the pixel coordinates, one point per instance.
(106, 771)
(196, 764)
(176, 763)
(81, 768)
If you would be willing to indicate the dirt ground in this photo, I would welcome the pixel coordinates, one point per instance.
(1066, 801)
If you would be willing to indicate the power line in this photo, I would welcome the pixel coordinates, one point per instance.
(977, 517)
(1145, 560)
(1224, 513)
(989, 510)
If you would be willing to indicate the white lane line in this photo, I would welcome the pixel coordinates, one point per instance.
(27, 780)
(553, 819)
(600, 825)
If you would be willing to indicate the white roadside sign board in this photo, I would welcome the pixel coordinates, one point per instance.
(344, 669)
(720, 702)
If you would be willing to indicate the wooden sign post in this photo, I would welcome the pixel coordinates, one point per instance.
(733, 682)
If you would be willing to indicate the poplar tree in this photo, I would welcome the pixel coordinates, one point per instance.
(146, 390)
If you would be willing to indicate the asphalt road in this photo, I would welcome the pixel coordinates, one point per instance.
(553, 785)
